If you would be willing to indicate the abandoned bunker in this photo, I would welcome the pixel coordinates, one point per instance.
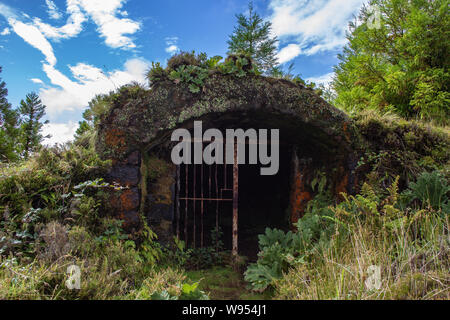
(317, 152)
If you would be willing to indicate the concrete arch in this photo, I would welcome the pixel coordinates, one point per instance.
(135, 135)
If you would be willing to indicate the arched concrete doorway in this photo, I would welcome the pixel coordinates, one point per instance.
(203, 194)
(135, 133)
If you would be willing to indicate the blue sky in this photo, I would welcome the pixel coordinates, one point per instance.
(69, 50)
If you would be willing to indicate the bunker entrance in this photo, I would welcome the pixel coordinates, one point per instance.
(239, 200)
(211, 197)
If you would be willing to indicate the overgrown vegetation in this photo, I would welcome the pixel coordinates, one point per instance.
(54, 210)
(397, 147)
(331, 254)
(400, 65)
(191, 70)
(53, 217)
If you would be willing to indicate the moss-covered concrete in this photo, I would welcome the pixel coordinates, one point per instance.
(142, 120)
(136, 119)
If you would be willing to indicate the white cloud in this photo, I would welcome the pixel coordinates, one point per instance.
(86, 81)
(84, 72)
(73, 26)
(111, 21)
(52, 10)
(171, 40)
(5, 32)
(60, 132)
(37, 81)
(324, 79)
(110, 27)
(172, 49)
(316, 26)
(171, 43)
(35, 38)
(90, 81)
(7, 11)
(288, 53)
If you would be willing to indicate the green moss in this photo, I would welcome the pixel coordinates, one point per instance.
(143, 115)
(156, 167)
(395, 147)
(160, 179)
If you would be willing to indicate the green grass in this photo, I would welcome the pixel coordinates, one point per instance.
(223, 283)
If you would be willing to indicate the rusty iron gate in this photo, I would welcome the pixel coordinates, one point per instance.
(199, 191)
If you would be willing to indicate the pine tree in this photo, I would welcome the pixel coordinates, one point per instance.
(31, 112)
(86, 125)
(252, 37)
(8, 126)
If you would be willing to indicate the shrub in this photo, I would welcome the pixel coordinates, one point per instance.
(280, 251)
(156, 73)
(185, 59)
(193, 70)
(82, 243)
(193, 76)
(430, 189)
(56, 242)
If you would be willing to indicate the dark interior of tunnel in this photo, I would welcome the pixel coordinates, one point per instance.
(262, 202)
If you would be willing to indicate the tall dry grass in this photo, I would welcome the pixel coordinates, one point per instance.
(413, 256)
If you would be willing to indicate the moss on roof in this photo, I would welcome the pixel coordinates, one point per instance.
(137, 116)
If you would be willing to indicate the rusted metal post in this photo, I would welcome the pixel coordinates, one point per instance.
(177, 200)
(201, 209)
(195, 196)
(225, 175)
(217, 210)
(186, 205)
(235, 205)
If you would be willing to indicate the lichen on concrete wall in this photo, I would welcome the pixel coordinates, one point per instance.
(140, 120)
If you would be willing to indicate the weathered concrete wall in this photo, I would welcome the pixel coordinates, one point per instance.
(158, 200)
(140, 121)
(125, 203)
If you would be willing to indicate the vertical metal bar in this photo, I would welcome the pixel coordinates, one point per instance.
(201, 207)
(208, 205)
(235, 203)
(225, 175)
(186, 204)
(217, 211)
(177, 200)
(195, 196)
(209, 182)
